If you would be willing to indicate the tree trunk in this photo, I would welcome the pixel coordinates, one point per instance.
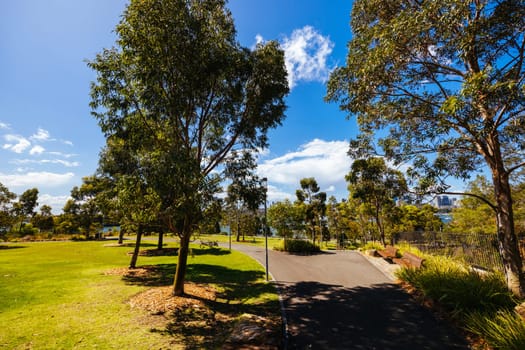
(380, 225)
(160, 243)
(121, 236)
(238, 227)
(180, 273)
(134, 257)
(507, 240)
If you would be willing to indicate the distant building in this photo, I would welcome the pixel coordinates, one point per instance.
(444, 202)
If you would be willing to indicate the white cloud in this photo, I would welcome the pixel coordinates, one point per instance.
(326, 161)
(45, 161)
(17, 144)
(41, 135)
(36, 150)
(64, 155)
(306, 53)
(259, 39)
(55, 202)
(36, 179)
(330, 188)
(4, 126)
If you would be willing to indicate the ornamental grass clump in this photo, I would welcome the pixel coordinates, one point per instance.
(481, 303)
(457, 289)
(504, 330)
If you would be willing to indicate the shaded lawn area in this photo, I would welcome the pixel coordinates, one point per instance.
(60, 295)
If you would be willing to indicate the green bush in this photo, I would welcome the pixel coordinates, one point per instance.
(298, 246)
(504, 330)
(372, 245)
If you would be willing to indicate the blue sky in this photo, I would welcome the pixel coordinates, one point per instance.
(49, 140)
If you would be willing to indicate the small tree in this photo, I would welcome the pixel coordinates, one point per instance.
(376, 186)
(44, 219)
(314, 201)
(286, 218)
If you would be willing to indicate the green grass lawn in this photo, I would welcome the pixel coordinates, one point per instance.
(56, 295)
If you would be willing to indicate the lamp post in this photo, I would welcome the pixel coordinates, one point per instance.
(265, 227)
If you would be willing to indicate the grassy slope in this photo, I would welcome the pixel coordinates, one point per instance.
(56, 295)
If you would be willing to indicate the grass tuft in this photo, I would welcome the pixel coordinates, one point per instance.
(504, 330)
(457, 289)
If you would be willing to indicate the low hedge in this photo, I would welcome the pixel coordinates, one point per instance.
(298, 246)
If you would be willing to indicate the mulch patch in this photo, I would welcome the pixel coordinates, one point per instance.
(198, 318)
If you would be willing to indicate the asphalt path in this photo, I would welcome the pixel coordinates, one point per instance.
(339, 300)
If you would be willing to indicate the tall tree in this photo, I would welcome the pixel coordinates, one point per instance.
(182, 93)
(24, 208)
(314, 200)
(443, 80)
(376, 185)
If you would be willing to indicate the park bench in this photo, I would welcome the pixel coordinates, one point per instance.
(388, 253)
(410, 260)
(210, 244)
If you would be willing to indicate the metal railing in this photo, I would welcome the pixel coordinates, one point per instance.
(477, 250)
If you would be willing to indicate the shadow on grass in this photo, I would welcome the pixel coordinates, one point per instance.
(209, 327)
(5, 247)
(382, 316)
(209, 251)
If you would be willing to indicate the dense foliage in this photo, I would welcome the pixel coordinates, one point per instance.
(442, 83)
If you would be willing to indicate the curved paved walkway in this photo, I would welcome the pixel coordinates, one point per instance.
(339, 300)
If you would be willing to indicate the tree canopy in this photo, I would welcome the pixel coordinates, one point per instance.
(181, 93)
(443, 81)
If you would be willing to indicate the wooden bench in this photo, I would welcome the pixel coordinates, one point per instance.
(410, 260)
(209, 244)
(388, 253)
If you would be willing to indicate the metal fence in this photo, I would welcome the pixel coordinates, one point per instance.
(478, 250)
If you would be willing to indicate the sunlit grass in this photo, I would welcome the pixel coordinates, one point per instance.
(56, 295)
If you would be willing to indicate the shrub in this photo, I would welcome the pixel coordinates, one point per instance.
(298, 246)
(458, 289)
(503, 330)
(372, 245)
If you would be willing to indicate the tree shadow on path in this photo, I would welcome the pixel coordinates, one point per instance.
(382, 317)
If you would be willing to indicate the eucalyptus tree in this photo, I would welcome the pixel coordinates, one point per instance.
(91, 202)
(182, 93)
(286, 217)
(376, 185)
(24, 208)
(443, 80)
(245, 193)
(342, 221)
(44, 220)
(314, 201)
